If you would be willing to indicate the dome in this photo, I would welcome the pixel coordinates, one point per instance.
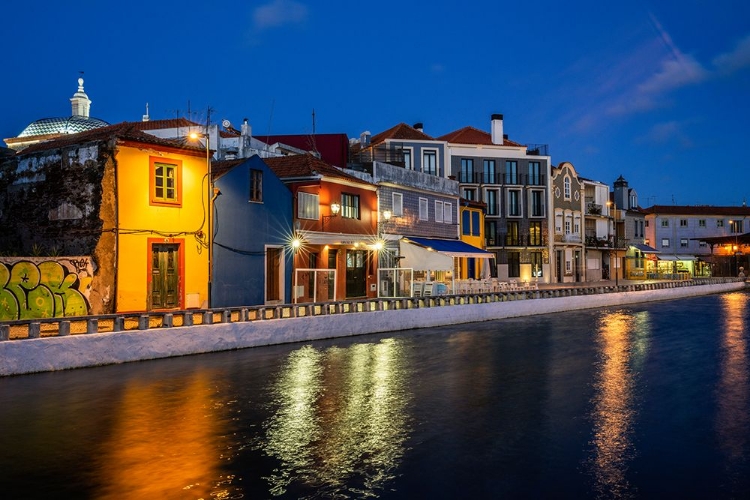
(69, 125)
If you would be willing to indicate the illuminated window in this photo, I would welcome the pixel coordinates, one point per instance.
(349, 206)
(308, 206)
(535, 233)
(683, 242)
(165, 182)
(665, 242)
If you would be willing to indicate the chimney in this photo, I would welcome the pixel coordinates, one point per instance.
(146, 117)
(364, 138)
(497, 129)
(246, 130)
(419, 126)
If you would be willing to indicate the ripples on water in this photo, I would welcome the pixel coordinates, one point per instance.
(648, 401)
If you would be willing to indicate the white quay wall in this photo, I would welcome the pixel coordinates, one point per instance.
(78, 351)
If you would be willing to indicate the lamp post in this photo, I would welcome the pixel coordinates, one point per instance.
(734, 224)
(335, 208)
(614, 238)
(196, 136)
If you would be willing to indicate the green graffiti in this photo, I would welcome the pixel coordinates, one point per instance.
(44, 290)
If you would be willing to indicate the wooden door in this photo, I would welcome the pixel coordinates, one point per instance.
(165, 276)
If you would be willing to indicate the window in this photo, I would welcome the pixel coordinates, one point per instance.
(165, 182)
(535, 233)
(683, 222)
(535, 173)
(406, 152)
(701, 222)
(470, 194)
(256, 185)
(665, 242)
(429, 162)
(665, 223)
(511, 237)
(467, 171)
(514, 264)
(490, 233)
(308, 206)
(438, 211)
(466, 222)
(511, 172)
(514, 203)
(566, 188)
(735, 226)
(492, 206)
(475, 229)
(489, 172)
(720, 223)
(398, 204)
(448, 213)
(537, 204)
(647, 223)
(349, 206)
(683, 242)
(702, 244)
(423, 209)
(567, 226)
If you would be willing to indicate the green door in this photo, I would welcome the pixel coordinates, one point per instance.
(165, 274)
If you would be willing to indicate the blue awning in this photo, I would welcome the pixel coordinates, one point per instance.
(644, 248)
(453, 248)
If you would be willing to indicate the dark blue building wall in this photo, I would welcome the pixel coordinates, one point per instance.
(243, 229)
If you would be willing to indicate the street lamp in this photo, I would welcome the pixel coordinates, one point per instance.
(614, 240)
(735, 225)
(335, 208)
(195, 136)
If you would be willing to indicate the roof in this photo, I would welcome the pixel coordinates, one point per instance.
(168, 123)
(403, 132)
(332, 147)
(697, 210)
(66, 125)
(471, 135)
(645, 248)
(219, 168)
(454, 248)
(307, 165)
(123, 131)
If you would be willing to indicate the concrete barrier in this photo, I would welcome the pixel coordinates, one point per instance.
(299, 323)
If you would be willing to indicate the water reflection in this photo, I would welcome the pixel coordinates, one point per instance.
(340, 419)
(163, 443)
(732, 420)
(623, 341)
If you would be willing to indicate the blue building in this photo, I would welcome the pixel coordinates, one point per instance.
(252, 230)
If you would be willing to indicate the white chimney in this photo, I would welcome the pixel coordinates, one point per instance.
(245, 129)
(497, 129)
(419, 126)
(364, 138)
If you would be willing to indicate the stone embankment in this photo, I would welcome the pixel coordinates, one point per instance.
(64, 343)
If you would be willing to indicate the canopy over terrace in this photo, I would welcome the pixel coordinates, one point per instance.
(431, 254)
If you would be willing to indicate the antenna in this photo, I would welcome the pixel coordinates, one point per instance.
(312, 139)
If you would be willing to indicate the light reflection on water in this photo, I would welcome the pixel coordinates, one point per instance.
(733, 419)
(623, 340)
(339, 419)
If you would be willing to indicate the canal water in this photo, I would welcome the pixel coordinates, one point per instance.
(646, 401)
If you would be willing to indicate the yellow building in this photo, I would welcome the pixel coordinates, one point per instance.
(162, 254)
(472, 232)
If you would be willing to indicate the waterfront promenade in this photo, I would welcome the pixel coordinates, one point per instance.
(64, 343)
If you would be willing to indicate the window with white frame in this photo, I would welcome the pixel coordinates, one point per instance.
(665, 223)
(701, 222)
(683, 242)
(567, 226)
(470, 194)
(720, 223)
(448, 213)
(566, 188)
(429, 161)
(398, 204)
(423, 209)
(665, 242)
(308, 206)
(406, 152)
(438, 211)
(683, 223)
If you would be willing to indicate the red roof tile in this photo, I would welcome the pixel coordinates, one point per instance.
(401, 131)
(471, 135)
(306, 165)
(168, 123)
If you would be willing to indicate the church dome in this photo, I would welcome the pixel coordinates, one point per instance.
(69, 125)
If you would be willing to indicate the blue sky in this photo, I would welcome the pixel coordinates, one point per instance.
(658, 91)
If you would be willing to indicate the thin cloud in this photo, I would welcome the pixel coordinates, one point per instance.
(739, 58)
(279, 13)
(667, 132)
(674, 73)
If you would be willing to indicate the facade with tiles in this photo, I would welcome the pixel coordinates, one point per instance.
(513, 181)
(568, 193)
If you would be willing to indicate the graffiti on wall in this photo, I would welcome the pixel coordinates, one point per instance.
(52, 287)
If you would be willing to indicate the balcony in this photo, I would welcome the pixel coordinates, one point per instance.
(568, 238)
(499, 179)
(593, 209)
(537, 149)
